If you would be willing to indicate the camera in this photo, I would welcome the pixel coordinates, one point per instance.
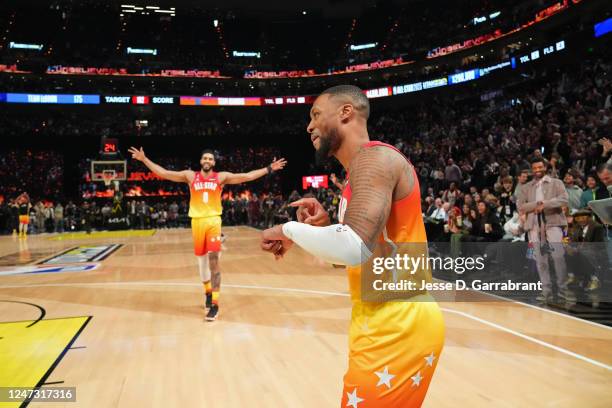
(546, 249)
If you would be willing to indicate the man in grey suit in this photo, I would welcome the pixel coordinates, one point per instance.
(542, 200)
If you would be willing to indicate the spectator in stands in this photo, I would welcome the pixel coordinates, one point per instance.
(514, 228)
(268, 210)
(604, 172)
(86, 217)
(574, 193)
(438, 214)
(106, 213)
(429, 206)
(71, 212)
(468, 199)
(13, 222)
(452, 173)
(594, 191)
(131, 212)
(142, 211)
(39, 210)
(468, 215)
(585, 251)
(455, 230)
(452, 194)
(522, 179)
(485, 226)
(253, 211)
(58, 218)
(507, 200)
(542, 200)
(437, 176)
(173, 215)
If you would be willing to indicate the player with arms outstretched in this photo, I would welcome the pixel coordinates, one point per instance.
(205, 187)
(394, 346)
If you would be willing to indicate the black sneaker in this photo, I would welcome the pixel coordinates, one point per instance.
(213, 312)
(544, 299)
(208, 300)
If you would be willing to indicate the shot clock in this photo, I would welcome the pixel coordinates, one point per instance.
(109, 147)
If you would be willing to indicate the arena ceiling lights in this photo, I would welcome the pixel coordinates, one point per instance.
(482, 19)
(209, 100)
(362, 46)
(147, 10)
(23, 46)
(151, 51)
(246, 54)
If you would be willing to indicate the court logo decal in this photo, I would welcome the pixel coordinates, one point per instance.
(26, 256)
(82, 254)
(25, 364)
(49, 269)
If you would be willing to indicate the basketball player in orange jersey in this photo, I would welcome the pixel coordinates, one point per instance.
(23, 201)
(205, 209)
(394, 346)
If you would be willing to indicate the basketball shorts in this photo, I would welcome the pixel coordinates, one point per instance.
(206, 235)
(24, 219)
(394, 348)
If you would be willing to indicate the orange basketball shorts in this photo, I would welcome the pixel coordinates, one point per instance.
(394, 348)
(206, 235)
(24, 219)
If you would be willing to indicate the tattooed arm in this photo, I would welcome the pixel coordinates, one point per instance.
(375, 172)
(378, 176)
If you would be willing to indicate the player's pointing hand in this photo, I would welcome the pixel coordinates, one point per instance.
(310, 211)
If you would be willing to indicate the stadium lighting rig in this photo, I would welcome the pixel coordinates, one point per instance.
(358, 47)
(150, 51)
(481, 19)
(254, 54)
(147, 10)
(23, 46)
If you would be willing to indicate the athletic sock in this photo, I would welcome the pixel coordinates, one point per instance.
(207, 287)
(215, 297)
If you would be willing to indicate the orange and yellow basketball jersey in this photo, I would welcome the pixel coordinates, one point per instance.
(405, 223)
(205, 196)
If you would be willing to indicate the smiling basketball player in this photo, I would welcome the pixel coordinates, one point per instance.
(205, 209)
(394, 346)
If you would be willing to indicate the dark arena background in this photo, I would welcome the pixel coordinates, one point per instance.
(101, 303)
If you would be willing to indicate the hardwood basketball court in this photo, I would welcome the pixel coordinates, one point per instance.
(128, 330)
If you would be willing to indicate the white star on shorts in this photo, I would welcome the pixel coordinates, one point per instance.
(416, 379)
(384, 377)
(430, 359)
(353, 399)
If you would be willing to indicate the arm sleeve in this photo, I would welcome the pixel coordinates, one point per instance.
(337, 244)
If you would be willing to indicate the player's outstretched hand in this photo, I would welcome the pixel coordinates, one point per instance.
(278, 164)
(274, 241)
(310, 211)
(137, 154)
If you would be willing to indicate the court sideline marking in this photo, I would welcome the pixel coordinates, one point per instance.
(568, 316)
(329, 293)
